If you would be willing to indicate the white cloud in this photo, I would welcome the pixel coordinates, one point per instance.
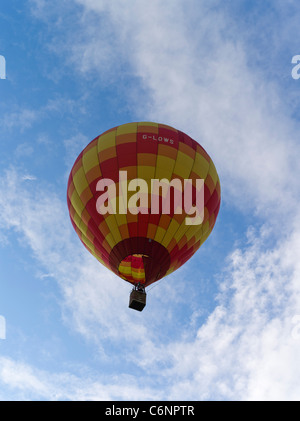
(95, 301)
(192, 70)
(198, 79)
(21, 119)
(24, 382)
(24, 150)
(29, 177)
(246, 349)
(196, 75)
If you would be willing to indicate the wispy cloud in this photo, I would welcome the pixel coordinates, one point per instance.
(192, 71)
(29, 177)
(25, 382)
(91, 293)
(23, 118)
(245, 349)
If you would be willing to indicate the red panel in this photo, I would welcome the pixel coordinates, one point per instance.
(133, 229)
(142, 229)
(169, 137)
(207, 194)
(96, 232)
(127, 160)
(126, 149)
(91, 209)
(213, 202)
(110, 169)
(146, 145)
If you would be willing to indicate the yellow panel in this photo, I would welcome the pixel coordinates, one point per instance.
(110, 239)
(163, 172)
(90, 159)
(126, 128)
(120, 219)
(83, 228)
(113, 227)
(172, 228)
(165, 162)
(200, 166)
(198, 234)
(205, 236)
(205, 228)
(160, 232)
(77, 219)
(181, 231)
(138, 272)
(88, 243)
(106, 141)
(77, 203)
(147, 123)
(191, 231)
(184, 161)
(213, 172)
(125, 270)
(181, 171)
(80, 181)
(145, 172)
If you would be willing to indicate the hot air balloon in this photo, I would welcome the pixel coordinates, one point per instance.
(127, 199)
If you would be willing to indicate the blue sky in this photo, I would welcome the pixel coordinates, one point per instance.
(226, 326)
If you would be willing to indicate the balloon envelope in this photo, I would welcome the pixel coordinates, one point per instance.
(117, 214)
